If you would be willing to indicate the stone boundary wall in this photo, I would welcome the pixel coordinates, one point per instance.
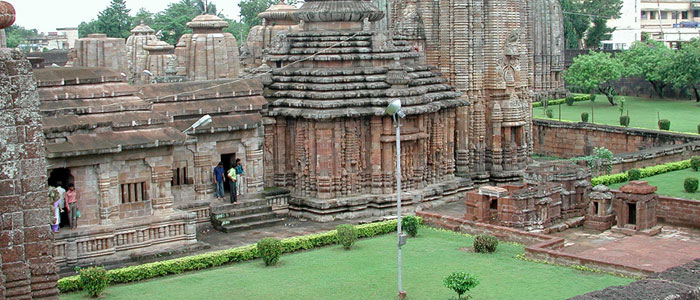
(675, 211)
(538, 246)
(633, 148)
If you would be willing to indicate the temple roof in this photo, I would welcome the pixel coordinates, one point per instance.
(207, 21)
(143, 28)
(337, 11)
(158, 46)
(280, 11)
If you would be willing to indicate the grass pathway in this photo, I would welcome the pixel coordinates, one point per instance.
(369, 272)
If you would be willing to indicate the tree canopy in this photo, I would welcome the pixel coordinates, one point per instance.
(595, 71)
(649, 60)
(16, 35)
(684, 69)
(585, 21)
(115, 20)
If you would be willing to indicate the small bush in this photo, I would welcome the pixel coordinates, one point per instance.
(570, 101)
(549, 113)
(698, 128)
(485, 243)
(346, 235)
(695, 163)
(634, 174)
(664, 124)
(691, 185)
(270, 250)
(410, 225)
(93, 280)
(625, 121)
(592, 96)
(584, 117)
(461, 282)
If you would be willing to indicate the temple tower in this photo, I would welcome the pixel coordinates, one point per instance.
(275, 19)
(98, 50)
(546, 50)
(159, 60)
(328, 138)
(208, 53)
(135, 48)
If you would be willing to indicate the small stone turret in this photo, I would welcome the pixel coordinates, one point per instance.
(141, 35)
(275, 20)
(208, 53)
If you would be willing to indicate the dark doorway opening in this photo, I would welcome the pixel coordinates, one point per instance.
(632, 207)
(61, 177)
(494, 204)
(228, 161)
(596, 208)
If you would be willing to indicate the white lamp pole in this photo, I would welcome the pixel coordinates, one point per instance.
(394, 109)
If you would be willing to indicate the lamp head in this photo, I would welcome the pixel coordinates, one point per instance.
(394, 107)
(203, 121)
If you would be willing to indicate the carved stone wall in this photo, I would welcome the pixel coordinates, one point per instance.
(28, 270)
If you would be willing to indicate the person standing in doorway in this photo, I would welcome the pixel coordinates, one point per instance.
(219, 181)
(61, 202)
(239, 176)
(231, 174)
(53, 196)
(72, 206)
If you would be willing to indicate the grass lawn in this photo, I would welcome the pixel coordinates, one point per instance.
(684, 115)
(369, 272)
(670, 184)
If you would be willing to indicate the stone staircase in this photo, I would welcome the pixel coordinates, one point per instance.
(247, 214)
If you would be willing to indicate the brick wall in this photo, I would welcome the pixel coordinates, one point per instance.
(25, 239)
(678, 211)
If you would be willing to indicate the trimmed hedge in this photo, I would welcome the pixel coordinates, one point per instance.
(690, 185)
(222, 257)
(584, 117)
(577, 98)
(644, 172)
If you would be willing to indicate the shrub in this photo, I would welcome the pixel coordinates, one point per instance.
(570, 101)
(592, 97)
(625, 121)
(270, 250)
(93, 280)
(549, 113)
(695, 163)
(410, 225)
(645, 172)
(698, 128)
(690, 184)
(461, 282)
(584, 117)
(634, 174)
(664, 124)
(485, 243)
(346, 235)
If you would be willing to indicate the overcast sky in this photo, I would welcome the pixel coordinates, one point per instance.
(47, 15)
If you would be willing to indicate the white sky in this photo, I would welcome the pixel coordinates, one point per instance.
(47, 15)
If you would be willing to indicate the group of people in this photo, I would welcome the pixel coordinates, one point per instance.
(234, 177)
(65, 205)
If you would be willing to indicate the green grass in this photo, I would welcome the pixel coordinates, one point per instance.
(369, 272)
(670, 184)
(684, 115)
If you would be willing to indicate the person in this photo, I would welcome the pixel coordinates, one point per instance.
(54, 198)
(231, 174)
(239, 176)
(219, 180)
(62, 202)
(72, 206)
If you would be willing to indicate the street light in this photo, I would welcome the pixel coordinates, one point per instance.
(203, 121)
(394, 110)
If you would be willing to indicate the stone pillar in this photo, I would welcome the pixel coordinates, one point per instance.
(203, 168)
(253, 169)
(107, 183)
(25, 237)
(161, 178)
(376, 154)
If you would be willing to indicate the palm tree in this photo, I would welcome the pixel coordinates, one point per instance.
(205, 7)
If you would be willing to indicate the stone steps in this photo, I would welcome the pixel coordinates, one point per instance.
(243, 216)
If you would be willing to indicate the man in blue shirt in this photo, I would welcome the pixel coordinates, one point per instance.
(219, 181)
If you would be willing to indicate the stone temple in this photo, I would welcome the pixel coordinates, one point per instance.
(328, 139)
(307, 116)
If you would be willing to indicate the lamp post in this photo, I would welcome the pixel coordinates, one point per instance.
(394, 110)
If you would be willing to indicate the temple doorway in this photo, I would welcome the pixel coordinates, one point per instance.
(228, 160)
(632, 213)
(61, 177)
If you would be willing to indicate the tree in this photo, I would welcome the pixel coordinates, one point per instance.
(115, 21)
(251, 8)
(143, 17)
(596, 70)
(684, 69)
(586, 20)
(86, 28)
(171, 22)
(649, 60)
(206, 7)
(16, 35)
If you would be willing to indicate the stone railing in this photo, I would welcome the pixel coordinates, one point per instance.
(99, 243)
(278, 199)
(202, 211)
